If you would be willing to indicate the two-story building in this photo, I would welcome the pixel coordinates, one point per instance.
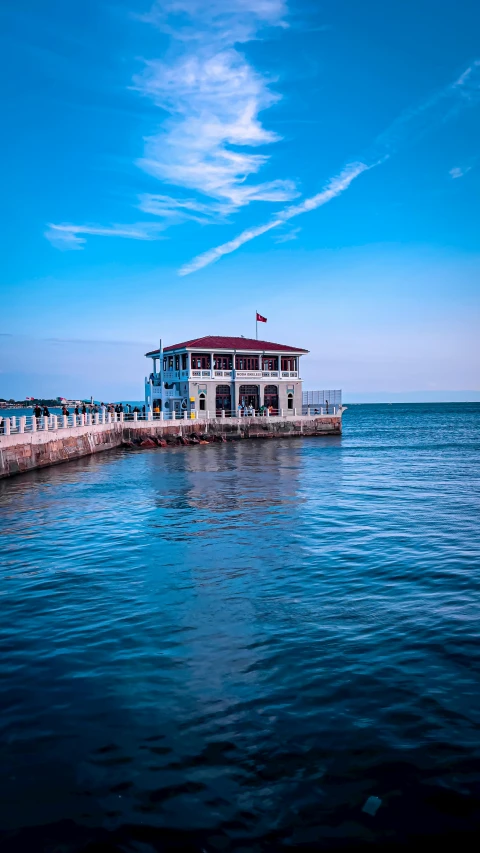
(216, 373)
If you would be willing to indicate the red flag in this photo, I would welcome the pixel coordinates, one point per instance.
(261, 319)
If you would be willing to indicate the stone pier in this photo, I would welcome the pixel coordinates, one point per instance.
(21, 452)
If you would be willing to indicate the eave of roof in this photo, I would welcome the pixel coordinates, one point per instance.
(221, 342)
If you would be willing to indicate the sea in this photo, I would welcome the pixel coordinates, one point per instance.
(254, 646)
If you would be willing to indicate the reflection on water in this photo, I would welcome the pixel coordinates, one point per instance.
(232, 647)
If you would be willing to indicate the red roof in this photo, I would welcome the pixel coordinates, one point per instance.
(214, 342)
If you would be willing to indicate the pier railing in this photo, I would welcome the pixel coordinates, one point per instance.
(22, 424)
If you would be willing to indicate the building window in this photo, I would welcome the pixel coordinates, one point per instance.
(270, 363)
(290, 401)
(201, 362)
(202, 402)
(246, 362)
(170, 362)
(288, 364)
(222, 362)
(177, 362)
(165, 363)
(184, 361)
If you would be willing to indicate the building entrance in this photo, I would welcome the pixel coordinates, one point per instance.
(223, 398)
(271, 397)
(248, 396)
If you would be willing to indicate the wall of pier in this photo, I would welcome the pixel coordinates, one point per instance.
(22, 452)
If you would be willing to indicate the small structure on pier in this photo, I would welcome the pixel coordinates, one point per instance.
(215, 374)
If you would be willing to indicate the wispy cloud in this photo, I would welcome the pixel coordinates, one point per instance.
(212, 97)
(79, 341)
(333, 189)
(73, 236)
(288, 236)
(459, 171)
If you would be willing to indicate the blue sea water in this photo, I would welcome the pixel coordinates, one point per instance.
(232, 647)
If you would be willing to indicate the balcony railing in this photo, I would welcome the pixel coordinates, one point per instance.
(175, 375)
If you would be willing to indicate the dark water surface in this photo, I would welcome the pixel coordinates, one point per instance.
(232, 647)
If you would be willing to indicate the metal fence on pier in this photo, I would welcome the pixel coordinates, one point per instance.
(321, 402)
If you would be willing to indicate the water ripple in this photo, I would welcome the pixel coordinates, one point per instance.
(232, 647)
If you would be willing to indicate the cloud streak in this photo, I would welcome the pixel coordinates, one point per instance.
(465, 89)
(333, 189)
(68, 236)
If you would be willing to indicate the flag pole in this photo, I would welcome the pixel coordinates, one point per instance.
(256, 325)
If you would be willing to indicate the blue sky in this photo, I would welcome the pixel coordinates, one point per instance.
(169, 167)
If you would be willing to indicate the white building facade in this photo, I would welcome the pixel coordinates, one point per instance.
(215, 374)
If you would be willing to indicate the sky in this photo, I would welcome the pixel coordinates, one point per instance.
(171, 167)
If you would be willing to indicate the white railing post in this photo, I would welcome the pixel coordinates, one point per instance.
(185, 415)
(161, 415)
(21, 423)
(13, 422)
(64, 421)
(308, 411)
(55, 422)
(97, 417)
(34, 423)
(121, 417)
(6, 426)
(135, 416)
(109, 417)
(103, 417)
(223, 413)
(45, 422)
(149, 415)
(281, 413)
(294, 413)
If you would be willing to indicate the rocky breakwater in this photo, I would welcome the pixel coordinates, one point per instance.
(21, 452)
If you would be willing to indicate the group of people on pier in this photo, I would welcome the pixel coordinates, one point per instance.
(89, 409)
(249, 411)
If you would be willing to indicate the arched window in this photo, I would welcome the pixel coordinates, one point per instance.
(290, 400)
(201, 399)
(271, 397)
